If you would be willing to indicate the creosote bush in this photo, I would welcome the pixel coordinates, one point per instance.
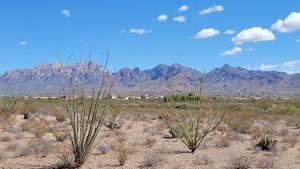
(185, 124)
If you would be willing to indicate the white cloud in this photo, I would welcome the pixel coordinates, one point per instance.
(206, 33)
(179, 19)
(183, 8)
(66, 13)
(162, 18)
(288, 67)
(298, 40)
(268, 66)
(254, 34)
(289, 24)
(23, 43)
(215, 8)
(233, 51)
(137, 31)
(291, 64)
(229, 32)
(250, 49)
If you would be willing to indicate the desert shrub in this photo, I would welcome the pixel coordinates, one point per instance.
(66, 162)
(41, 147)
(240, 126)
(60, 135)
(291, 139)
(120, 151)
(242, 162)
(189, 122)
(151, 160)
(40, 128)
(265, 162)
(5, 138)
(3, 155)
(266, 143)
(19, 136)
(86, 115)
(7, 105)
(60, 116)
(26, 115)
(149, 142)
(103, 148)
(24, 150)
(222, 142)
(112, 125)
(202, 160)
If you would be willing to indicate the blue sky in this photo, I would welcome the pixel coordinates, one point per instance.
(260, 34)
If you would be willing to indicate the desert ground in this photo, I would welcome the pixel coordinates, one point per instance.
(36, 136)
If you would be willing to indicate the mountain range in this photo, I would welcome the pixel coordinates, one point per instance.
(159, 80)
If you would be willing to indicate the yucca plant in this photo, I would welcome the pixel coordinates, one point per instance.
(185, 124)
(86, 115)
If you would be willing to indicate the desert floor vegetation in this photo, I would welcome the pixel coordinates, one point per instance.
(255, 134)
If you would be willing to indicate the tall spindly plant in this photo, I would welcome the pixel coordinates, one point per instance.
(192, 124)
(86, 114)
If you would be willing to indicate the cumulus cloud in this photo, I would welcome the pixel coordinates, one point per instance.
(66, 13)
(289, 24)
(215, 8)
(206, 33)
(23, 43)
(183, 8)
(288, 67)
(136, 31)
(268, 66)
(162, 18)
(254, 34)
(250, 49)
(291, 64)
(139, 31)
(233, 51)
(229, 32)
(179, 19)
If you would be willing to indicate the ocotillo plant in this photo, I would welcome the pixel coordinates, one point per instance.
(86, 115)
(186, 124)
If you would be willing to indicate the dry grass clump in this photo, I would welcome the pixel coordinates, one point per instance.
(120, 151)
(60, 135)
(40, 128)
(24, 150)
(3, 155)
(222, 142)
(152, 160)
(41, 147)
(265, 162)
(104, 148)
(149, 142)
(202, 160)
(291, 139)
(242, 162)
(13, 146)
(5, 138)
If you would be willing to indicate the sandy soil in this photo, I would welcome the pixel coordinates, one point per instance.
(166, 152)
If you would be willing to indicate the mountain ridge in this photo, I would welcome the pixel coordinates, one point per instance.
(156, 81)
